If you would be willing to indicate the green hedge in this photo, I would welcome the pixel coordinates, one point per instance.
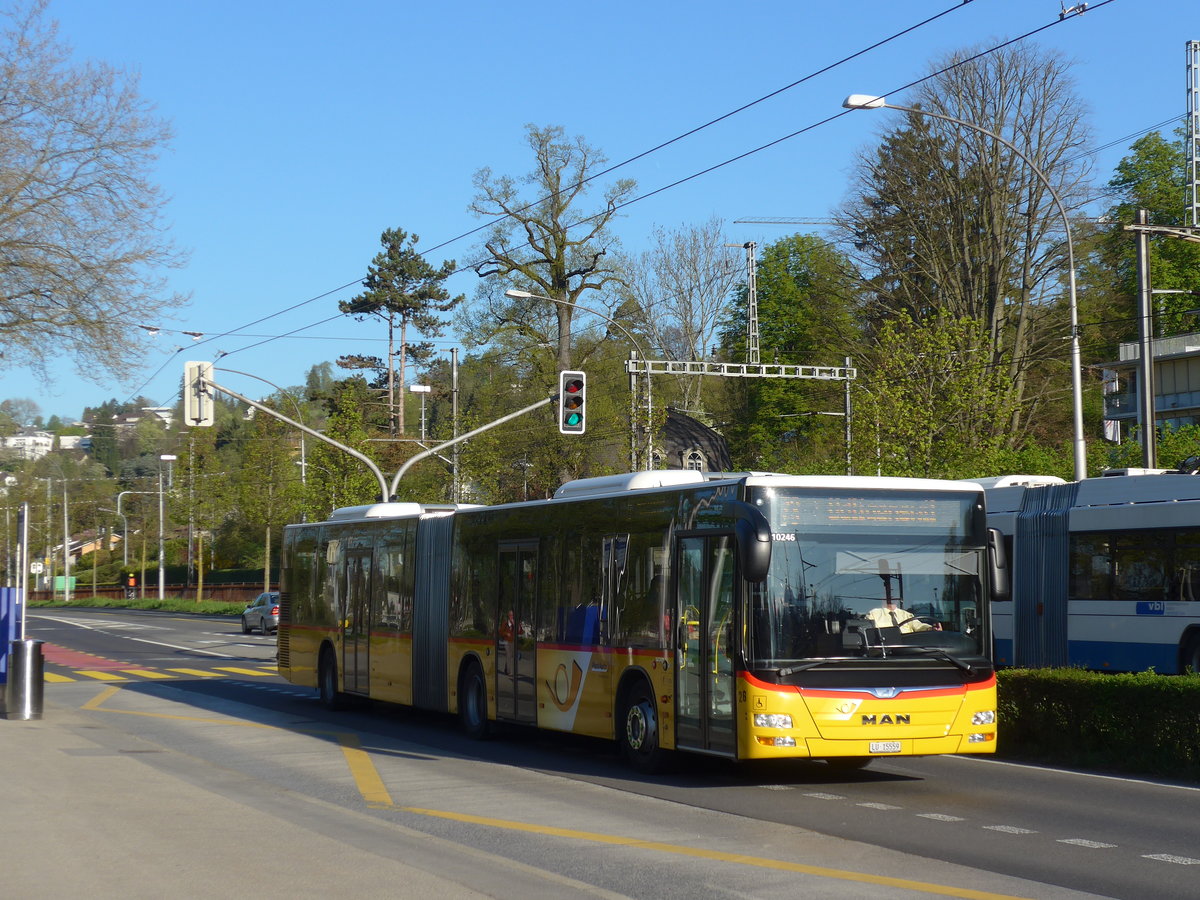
(1140, 723)
(170, 604)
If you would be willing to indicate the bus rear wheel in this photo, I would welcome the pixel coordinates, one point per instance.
(1189, 658)
(638, 734)
(472, 703)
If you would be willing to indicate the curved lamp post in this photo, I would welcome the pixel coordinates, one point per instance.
(869, 101)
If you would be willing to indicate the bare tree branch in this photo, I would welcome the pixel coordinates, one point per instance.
(82, 240)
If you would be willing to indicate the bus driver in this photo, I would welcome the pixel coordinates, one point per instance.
(892, 616)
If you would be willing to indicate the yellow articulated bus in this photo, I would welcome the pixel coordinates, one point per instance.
(748, 616)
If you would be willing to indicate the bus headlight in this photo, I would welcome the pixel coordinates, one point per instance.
(984, 717)
(772, 720)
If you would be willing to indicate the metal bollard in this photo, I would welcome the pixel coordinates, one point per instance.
(23, 694)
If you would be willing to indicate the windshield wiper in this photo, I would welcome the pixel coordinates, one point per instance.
(937, 652)
(942, 653)
(813, 664)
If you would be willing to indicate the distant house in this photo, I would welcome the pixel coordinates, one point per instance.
(30, 444)
(164, 414)
(687, 443)
(1176, 384)
(87, 541)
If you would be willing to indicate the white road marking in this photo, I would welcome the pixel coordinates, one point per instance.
(90, 626)
(1081, 842)
(939, 817)
(1009, 829)
(1167, 857)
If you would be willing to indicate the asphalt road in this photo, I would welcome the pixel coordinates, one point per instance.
(1061, 831)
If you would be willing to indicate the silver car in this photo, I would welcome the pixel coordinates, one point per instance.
(262, 614)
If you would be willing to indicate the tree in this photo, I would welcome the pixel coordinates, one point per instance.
(934, 405)
(335, 478)
(270, 495)
(949, 222)
(403, 290)
(680, 288)
(82, 241)
(1154, 178)
(21, 411)
(544, 244)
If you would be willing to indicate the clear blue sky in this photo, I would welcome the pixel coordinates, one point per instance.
(305, 129)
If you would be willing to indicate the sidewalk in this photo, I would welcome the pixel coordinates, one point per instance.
(82, 819)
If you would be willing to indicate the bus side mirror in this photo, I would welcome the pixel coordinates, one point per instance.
(752, 534)
(998, 564)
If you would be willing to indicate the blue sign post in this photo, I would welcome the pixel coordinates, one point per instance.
(10, 626)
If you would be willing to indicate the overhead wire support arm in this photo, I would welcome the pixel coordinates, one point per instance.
(738, 370)
(425, 454)
(207, 384)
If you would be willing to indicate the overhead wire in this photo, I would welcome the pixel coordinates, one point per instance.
(705, 171)
(610, 169)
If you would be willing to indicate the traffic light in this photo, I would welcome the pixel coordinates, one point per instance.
(197, 394)
(572, 402)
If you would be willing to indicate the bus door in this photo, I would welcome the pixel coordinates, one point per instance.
(704, 597)
(356, 623)
(516, 651)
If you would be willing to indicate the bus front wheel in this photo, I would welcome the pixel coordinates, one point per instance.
(472, 703)
(638, 734)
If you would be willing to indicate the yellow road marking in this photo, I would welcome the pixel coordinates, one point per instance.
(374, 792)
(99, 675)
(237, 671)
(55, 678)
(147, 673)
(199, 673)
(101, 698)
(362, 768)
(721, 856)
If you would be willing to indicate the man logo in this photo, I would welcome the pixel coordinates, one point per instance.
(887, 719)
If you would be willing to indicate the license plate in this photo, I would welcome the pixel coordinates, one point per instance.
(885, 746)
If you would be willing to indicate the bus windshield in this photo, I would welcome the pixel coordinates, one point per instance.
(883, 577)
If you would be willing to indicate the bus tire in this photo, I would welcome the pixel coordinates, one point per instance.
(637, 730)
(472, 703)
(327, 682)
(1189, 654)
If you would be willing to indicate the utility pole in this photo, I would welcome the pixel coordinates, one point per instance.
(1146, 421)
(1147, 430)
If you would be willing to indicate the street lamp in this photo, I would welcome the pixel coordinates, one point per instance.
(526, 295)
(869, 101)
(168, 458)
